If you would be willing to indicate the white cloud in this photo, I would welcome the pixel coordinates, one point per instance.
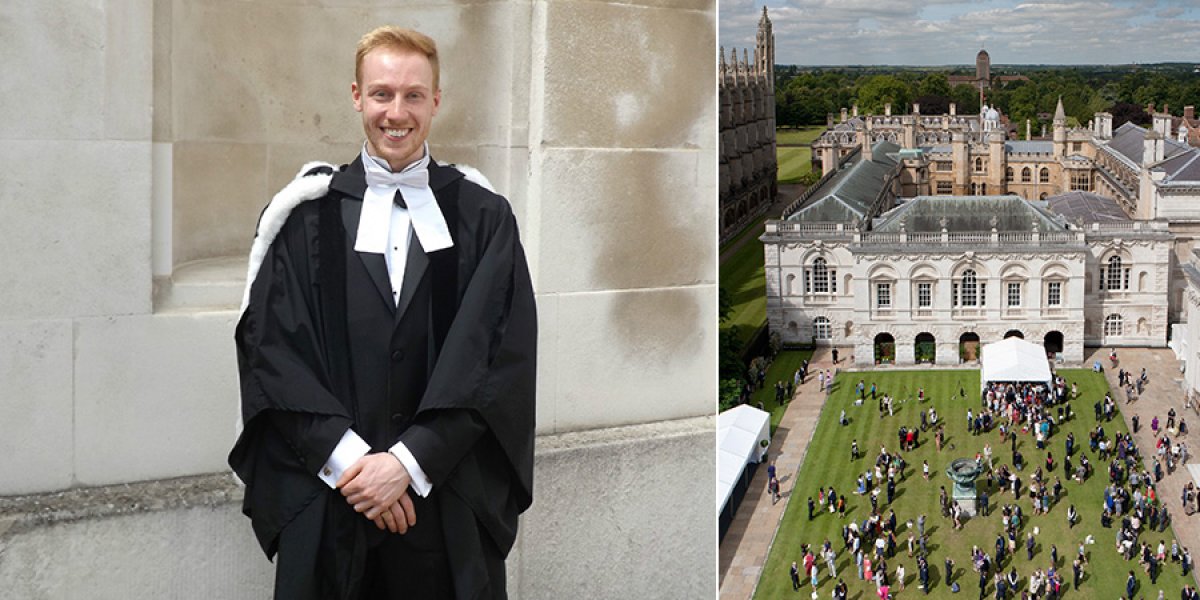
(869, 31)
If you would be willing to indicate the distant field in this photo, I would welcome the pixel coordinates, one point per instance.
(793, 162)
(797, 137)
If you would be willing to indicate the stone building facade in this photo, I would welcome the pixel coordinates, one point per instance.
(748, 165)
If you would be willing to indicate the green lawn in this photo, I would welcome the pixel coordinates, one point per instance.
(828, 464)
(797, 137)
(793, 163)
(742, 275)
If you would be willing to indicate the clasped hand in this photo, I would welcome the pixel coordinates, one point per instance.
(376, 485)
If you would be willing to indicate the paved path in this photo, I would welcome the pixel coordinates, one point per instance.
(1162, 393)
(745, 546)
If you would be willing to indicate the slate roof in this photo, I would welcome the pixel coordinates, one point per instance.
(1129, 141)
(1032, 146)
(1087, 207)
(924, 214)
(849, 193)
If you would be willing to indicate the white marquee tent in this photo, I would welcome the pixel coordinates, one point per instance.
(1014, 359)
(739, 433)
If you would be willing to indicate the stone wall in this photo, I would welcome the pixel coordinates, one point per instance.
(146, 136)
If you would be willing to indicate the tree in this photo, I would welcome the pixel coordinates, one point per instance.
(1127, 112)
(730, 348)
(933, 105)
(966, 96)
(934, 84)
(878, 90)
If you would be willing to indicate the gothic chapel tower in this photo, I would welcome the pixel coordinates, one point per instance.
(764, 52)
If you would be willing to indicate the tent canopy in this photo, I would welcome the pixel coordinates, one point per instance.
(739, 431)
(1014, 359)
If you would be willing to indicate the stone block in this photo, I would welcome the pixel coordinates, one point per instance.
(156, 396)
(629, 506)
(128, 71)
(35, 367)
(233, 82)
(54, 70)
(638, 357)
(219, 191)
(77, 245)
(643, 75)
(548, 363)
(620, 220)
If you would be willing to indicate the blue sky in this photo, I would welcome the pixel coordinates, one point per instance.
(950, 32)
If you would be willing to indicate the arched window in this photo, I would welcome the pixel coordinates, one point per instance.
(1114, 275)
(983, 189)
(1008, 174)
(1044, 175)
(1026, 175)
(820, 279)
(979, 165)
(821, 329)
(1113, 325)
(970, 291)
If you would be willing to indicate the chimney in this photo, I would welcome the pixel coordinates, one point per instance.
(843, 115)
(953, 109)
(1152, 149)
(854, 109)
(829, 118)
(916, 108)
(865, 134)
(887, 109)
(1162, 124)
(1028, 131)
(1189, 112)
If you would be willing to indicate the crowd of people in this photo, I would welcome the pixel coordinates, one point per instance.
(1009, 411)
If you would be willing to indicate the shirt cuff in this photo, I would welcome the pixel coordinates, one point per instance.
(420, 482)
(348, 450)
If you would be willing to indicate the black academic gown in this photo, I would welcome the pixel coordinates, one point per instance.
(323, 346)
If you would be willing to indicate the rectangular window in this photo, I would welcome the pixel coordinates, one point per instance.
(945, 187)
(883, 295)
(924, 295)
(1054, 294)
(954, 294)
(833, 281)
(945, 165)
(982, 294)
(808, 275)
(1014, 294)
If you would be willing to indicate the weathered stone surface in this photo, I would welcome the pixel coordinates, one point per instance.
(621, 220)
(36, 411)
(653, 89)
(642, 356)
(76, 245)
(155, 396)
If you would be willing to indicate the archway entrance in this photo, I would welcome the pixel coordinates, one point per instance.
(1053, 342)
(968, 346)
(925, 348)
(885, 348)
(1014, 333)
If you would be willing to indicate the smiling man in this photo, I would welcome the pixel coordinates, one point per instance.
(386, 352)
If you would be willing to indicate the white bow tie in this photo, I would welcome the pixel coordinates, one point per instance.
(374, 223)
